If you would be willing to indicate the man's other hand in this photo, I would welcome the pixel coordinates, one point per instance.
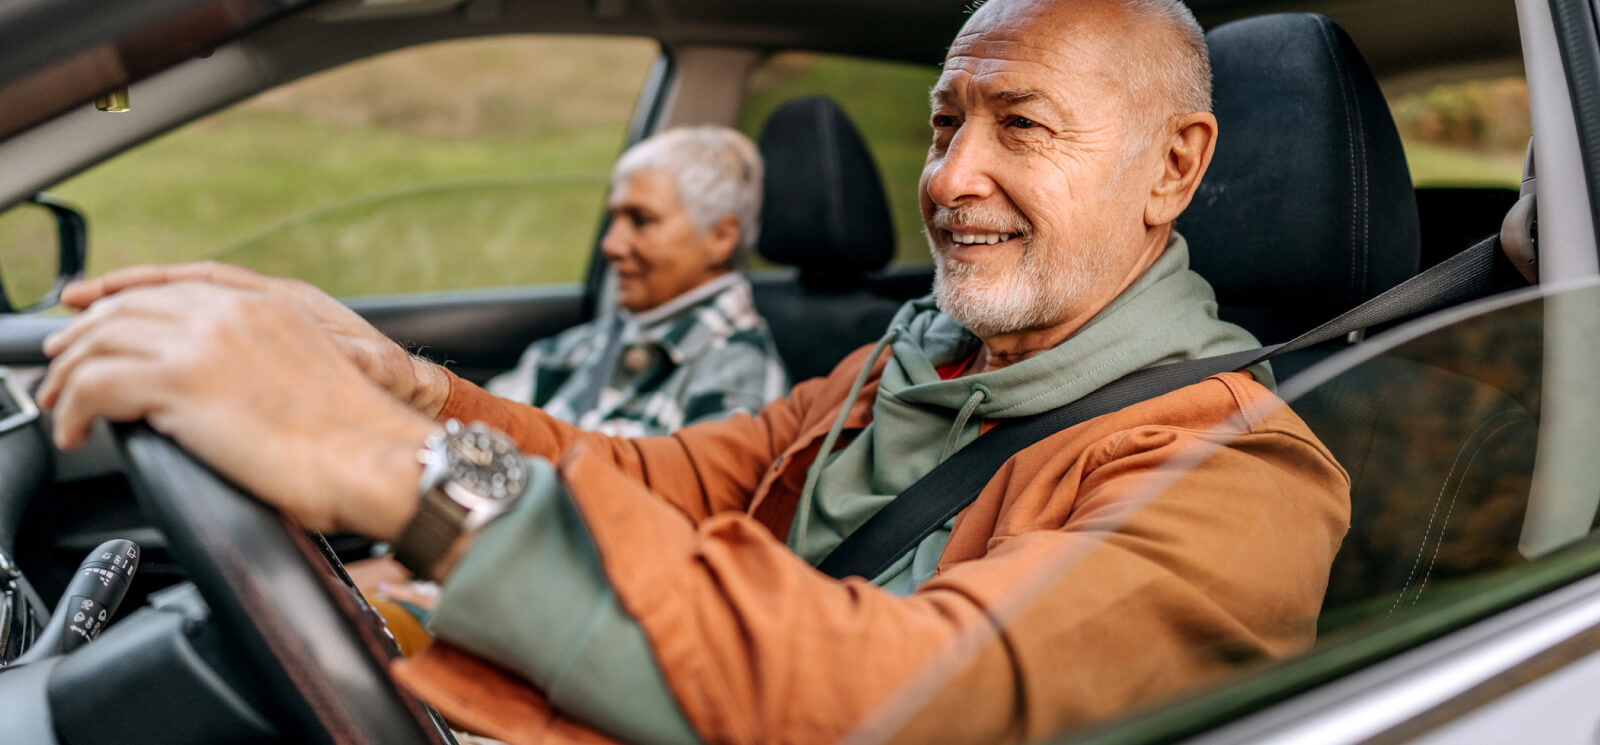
(418, 383)
(253, 385)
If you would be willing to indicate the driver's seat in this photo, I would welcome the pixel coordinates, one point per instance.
(1308, 210)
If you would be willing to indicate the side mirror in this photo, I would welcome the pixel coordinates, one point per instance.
(43, 245)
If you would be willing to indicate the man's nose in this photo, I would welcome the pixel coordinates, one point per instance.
(964, 171)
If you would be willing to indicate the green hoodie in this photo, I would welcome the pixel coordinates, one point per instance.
(1167, 315)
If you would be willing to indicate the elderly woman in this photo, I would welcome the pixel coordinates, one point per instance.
(685, 343)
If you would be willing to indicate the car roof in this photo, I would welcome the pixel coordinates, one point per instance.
(63, 52)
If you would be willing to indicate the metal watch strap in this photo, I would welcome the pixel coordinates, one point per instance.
(430, 534)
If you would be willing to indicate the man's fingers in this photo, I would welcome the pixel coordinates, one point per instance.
(368, 574)
(424, 595)
(141, 304)
(106, 386)
(119, 337)
(83, 294)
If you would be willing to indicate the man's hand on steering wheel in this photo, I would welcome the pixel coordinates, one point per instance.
(418, 383)
(249, 381)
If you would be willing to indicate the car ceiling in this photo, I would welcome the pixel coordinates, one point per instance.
(54, 61)
(1402, 39)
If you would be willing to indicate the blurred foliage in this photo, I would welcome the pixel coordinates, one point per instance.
(1469, 133)
(1479, 115)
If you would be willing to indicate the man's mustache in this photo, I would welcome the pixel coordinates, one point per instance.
(980, 219)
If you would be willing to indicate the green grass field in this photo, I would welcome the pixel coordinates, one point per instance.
(1434, 165)
(475, 164)
(357, 212)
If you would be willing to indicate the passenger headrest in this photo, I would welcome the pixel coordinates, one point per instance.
(823, 207)
(1307, 209)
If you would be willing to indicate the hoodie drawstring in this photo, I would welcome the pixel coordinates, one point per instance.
(803, 513)
(980, 393)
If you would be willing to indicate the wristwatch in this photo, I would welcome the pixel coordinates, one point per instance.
(471, 474)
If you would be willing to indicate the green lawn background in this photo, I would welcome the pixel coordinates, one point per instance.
(484, 163)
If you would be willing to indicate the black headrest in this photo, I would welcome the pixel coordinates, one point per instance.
(1307, 209)
(824, 209)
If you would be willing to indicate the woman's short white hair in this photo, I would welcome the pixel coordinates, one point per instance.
(717, 172)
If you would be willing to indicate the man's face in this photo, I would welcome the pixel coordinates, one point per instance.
(653, 243)
(1032, 210)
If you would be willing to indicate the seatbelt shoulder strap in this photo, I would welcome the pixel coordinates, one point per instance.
(938, 496)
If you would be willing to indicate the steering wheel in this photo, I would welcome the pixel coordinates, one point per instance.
(315, 648)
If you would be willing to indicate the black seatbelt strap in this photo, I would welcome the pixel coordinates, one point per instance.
(952, 485)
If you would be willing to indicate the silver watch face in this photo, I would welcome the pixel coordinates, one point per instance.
(485, 464)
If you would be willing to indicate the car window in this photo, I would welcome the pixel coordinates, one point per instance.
(887, 101)
(454, 165)
(1468, 442)
(1472, 133)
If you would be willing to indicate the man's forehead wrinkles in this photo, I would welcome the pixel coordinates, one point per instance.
(1004, 84)
(1049, 65)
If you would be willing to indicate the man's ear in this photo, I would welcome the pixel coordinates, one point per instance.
(723, 241)
(1191, 139)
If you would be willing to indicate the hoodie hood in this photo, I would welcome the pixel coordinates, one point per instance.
(1168, 314)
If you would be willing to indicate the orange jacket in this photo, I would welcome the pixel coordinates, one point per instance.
(1127, 558)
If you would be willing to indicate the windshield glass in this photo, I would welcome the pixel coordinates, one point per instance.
(1463, 435)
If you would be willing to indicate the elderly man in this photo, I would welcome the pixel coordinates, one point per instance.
(670, 596)
(686, 345)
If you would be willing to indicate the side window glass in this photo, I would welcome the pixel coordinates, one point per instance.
(1465, 143)
(888, 102)
(1465, 134)
(450, 166)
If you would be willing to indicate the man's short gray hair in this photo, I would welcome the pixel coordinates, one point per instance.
(1185, 72)
(1173, 80)
(1188, 70)
(717, 172)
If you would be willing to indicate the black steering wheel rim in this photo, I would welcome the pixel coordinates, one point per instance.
(266, 581)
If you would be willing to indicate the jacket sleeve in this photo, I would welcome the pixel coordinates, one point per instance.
(530, 595)
(1170, 560)
(700, 470)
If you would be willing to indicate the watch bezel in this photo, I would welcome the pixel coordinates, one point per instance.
(439, 460)
(449, 508)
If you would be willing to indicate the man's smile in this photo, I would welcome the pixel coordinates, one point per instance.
(969, 243)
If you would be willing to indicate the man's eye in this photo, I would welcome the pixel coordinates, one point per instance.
(1023, 123)
(941, 121)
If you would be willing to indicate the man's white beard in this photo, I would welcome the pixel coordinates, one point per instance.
(1035, 293)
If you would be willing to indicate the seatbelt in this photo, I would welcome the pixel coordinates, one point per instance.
(952, 485)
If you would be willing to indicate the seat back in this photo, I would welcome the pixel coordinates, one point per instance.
(1307, 211)
(826, 214)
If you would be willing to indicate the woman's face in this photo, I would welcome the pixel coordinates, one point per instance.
(653, 244)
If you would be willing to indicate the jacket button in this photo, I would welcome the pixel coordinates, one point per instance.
(637, 359)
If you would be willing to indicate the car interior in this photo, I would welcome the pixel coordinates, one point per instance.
(1308, 210)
